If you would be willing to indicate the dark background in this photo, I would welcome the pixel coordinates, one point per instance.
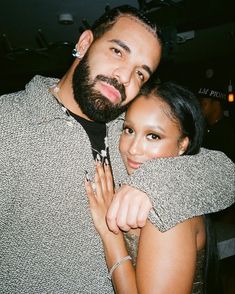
(33, 41)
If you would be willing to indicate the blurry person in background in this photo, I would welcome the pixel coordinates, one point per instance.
(219, 127)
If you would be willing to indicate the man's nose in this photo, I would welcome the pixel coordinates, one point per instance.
(123, 75)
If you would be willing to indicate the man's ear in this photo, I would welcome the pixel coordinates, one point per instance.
(84, 42)
(183, 145)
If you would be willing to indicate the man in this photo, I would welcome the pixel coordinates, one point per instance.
(48, 243)
(219, 132)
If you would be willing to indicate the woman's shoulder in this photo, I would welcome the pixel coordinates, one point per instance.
(193, 228)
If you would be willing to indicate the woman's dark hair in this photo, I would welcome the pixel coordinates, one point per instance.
(184, 108)
(110, 17)
(211, 270)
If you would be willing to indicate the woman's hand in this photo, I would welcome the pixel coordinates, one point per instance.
(100, 195)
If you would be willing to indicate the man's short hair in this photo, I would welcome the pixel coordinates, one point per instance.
(110, 17)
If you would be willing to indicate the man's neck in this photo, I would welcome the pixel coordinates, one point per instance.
(65, 93)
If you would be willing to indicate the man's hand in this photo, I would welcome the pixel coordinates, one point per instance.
(129, 209)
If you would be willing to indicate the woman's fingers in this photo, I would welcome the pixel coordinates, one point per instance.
(90, 192)
(98, 186)
(102, 188)
(101, 177)
(106, 180)
(109, 177)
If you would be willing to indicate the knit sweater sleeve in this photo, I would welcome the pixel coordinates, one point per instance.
(186, 186)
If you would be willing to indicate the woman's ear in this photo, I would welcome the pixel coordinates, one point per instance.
(84, 42)
(183, 145)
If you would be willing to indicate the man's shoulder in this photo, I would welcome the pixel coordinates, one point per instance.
(11, 104)
(15, 107)
(117, 121)
(15, 101)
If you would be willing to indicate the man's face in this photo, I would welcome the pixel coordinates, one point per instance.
(206, 106)
(91, 102)
(115, 67)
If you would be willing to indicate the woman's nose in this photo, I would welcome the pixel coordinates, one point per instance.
(135, 147)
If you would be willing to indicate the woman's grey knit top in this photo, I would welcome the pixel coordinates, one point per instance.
(48, 243)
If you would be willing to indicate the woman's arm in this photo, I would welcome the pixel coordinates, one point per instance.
(166, 261)
(123, 276)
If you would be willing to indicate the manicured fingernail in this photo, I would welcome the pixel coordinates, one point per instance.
(98, 158)
(87, 176)
(106, 161)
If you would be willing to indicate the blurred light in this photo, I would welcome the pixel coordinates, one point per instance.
(230, 95)
(65, 19)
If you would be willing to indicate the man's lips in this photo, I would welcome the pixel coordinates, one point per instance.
(133, 164)
(109, 92)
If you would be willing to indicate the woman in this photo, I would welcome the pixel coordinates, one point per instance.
(164, 121)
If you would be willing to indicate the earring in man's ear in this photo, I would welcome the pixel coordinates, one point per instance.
(76, 53)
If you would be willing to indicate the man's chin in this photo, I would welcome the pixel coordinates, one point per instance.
(115, 101)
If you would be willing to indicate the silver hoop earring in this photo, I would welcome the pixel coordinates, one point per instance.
(76, 54)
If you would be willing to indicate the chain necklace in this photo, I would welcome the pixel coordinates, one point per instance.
(100, 156)
(55, 89)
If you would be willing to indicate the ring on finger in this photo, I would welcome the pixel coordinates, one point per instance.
(93, 187)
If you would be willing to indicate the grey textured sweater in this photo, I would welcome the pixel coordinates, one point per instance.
(48, 243)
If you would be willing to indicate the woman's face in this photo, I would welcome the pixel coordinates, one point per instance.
(149, 132)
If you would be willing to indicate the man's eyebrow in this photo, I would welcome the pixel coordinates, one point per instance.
(121, 44)
(128, 50)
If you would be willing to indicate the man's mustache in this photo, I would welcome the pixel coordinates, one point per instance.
(113, 82)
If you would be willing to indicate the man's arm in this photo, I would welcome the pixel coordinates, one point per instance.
(179, 188)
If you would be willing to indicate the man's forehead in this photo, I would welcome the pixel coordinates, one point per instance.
(133, 32)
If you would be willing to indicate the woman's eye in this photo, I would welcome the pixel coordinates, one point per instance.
(127, 130)
(140, 75)
(117, 51)
(153, 137)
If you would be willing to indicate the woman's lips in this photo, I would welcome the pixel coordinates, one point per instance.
(133, 164)
(109, 92)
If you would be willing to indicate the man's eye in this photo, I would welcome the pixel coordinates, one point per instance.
(140, 75)
(117, 51)
(153, 137)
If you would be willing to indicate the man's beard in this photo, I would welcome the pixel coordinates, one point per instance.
(91, 102)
